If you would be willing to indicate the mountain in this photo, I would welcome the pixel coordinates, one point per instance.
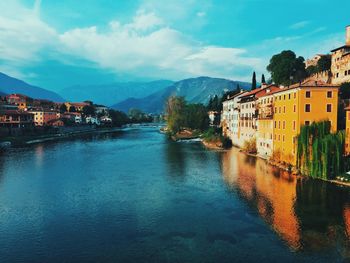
(9, 85)
(195, 90)
(115, 92)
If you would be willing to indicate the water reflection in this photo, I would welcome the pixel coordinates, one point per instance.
(307, 214)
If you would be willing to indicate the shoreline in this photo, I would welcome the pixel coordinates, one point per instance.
(30, 140)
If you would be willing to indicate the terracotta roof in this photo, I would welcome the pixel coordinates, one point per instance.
(347, 108)
(262, 91)
(308, 84)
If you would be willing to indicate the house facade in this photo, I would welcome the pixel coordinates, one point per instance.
(341, 61)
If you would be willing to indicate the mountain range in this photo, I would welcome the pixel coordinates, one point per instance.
(115, 92)
(195, 90)
(9, 85)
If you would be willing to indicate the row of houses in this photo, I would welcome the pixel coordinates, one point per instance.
(20, 111)
(271, 116)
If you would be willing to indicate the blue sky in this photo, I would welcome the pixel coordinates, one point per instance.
(56, 44)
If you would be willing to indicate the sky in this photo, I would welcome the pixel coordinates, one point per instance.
(57, 44)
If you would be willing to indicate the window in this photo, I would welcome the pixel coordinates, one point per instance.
(284, 109)
(295, 95)
(279, 124)
(293, 125)
(284, 124)
(307, 123)
(276, 123)
(308, 94)
(283, 138)
(289, 96)
(307, 108)
(294, 108)
(284, 97)
(329, 107)
(329, 94)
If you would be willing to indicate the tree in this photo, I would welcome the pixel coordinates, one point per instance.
(118, 118)
(72, 109)
(311, 70)
(63, 108)
(286, 68)
(175, 109)
(89, 110)
(254, 81)
(344, 91)
(263, 79)
(196, 117)
(324, 63)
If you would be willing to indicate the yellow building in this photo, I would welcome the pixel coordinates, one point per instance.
(298, 105)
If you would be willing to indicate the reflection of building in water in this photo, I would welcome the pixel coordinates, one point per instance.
(305, 213)
(272, 193)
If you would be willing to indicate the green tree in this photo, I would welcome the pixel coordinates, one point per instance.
(263, 79)
(311, 70)
(254, 81)
(118, 118)
(196, 117)
(72, 109)
(286, 68)
(344, 91)
(63, 108)
(175, 110)
(89, 110)
(324, 63)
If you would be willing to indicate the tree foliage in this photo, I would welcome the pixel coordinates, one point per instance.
(344, 91)
(320, 152)
(182, 115)
(63, 108)
(118, 118)
(324, 63)
(72, 109)
(89, 110)
(254, 81)
(263, 79)
(286, 68)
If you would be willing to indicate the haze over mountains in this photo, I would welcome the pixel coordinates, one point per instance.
(9, 85)
(110, 94)
(195, 90)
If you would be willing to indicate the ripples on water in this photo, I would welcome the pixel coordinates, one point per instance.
(136, 197)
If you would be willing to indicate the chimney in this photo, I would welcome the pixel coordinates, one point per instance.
(348, 35)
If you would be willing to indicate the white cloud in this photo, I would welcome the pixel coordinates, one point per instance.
(201, 14)
(299, 25)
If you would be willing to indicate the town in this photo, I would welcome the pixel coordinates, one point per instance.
(269, 120)
(22, 116)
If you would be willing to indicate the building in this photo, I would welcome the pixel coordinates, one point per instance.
(73, 117)
(341, 61)
(23, 102)
(16, 119)
(77, 105)
(44, 117)
(298, 105)
(248, 124)
(230, 117)
(264, 140)
(214, 118)
(101, 109)
(314, 60)
(92, 120)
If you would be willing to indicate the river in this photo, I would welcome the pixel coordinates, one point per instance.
(135, 196)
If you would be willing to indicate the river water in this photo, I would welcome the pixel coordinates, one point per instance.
(134, 196)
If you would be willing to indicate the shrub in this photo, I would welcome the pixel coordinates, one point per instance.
(250, 146)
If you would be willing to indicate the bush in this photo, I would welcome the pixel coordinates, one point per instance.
(250, 146)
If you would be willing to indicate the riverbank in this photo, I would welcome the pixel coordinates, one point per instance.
(33, 139)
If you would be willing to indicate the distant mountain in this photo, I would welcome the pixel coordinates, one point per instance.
(115, 92)
(195, 90)
(9, 85)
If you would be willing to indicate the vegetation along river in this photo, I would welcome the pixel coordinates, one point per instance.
(135, 196)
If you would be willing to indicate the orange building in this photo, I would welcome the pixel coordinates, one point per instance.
(298, 105)
(44, 117)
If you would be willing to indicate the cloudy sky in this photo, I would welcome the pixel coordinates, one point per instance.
(56, 44)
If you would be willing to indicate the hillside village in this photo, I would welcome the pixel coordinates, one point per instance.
(268, 120)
